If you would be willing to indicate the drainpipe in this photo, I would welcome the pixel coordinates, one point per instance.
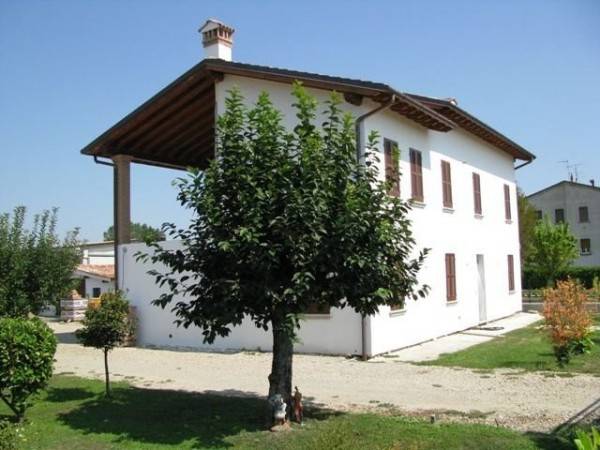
(357, 128)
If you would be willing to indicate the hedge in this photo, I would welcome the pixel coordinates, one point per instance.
(532, 280)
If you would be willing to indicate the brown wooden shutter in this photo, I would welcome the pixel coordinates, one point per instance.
(392, 172)
(507, 211)
(511, 273)
(446, 184)
(416, 175)
(477, 193)
(450, 277)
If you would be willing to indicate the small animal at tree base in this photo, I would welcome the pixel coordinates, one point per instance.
(297, 405)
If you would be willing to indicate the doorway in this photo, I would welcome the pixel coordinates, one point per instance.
(481, 289)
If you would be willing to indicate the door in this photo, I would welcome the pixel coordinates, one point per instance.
(481, 288)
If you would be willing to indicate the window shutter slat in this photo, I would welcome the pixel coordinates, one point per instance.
(416, 175)
(511, 273)
(450, 277)
(507, 212)
(392, 172)
(477, 193)
(446, 184)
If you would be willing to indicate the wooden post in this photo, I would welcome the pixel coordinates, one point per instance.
(122, 207)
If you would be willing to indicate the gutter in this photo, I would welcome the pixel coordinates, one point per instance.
(357, 128)
(525, 163)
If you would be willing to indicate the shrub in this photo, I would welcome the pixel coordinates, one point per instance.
(567, 319)
(586, 275)
(8, 436)
(27, 348)
(106, 326)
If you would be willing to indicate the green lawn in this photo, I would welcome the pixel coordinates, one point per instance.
(74, 415)
(527, 348)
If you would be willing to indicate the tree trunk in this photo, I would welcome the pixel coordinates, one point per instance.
(280, 379)
(106, 372)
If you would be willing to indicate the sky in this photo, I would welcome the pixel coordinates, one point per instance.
(71, 69)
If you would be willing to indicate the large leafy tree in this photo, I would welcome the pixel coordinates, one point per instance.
(553, 249)
(36, 266)
(527, 222)
(139, 232)
(284, 220)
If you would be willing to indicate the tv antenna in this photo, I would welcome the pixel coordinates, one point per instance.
(572, 170)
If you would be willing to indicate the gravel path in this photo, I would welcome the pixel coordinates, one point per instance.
(524, 401)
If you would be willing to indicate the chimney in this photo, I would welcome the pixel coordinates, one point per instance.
(593, 182)
(217, 39)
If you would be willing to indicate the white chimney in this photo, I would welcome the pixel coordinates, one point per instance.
(217, 39)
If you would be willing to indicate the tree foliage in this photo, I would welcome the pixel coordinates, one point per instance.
(284, 220)
(527, 222)
(27, 348)
(553, 249)
(139, 231)
(35, 265)
(106, 326)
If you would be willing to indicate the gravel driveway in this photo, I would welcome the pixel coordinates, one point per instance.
(524, 401)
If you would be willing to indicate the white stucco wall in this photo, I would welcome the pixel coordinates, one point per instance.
(457, 232)
(100, 253)
(91, 283)
(338, 333)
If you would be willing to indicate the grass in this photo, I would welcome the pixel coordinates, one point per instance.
(73, 414)
(528, 349)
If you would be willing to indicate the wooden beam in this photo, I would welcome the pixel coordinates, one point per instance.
(353, 98)
(122, 207)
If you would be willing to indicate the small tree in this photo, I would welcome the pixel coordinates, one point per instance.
(106, 326)
(27, 348)
(567, 319)
(527, 222)
(553, 249)
(36, 267)
(139, 231)
(284, 221)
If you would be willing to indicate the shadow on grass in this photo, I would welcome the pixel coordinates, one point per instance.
(168, 417)
(549, 441)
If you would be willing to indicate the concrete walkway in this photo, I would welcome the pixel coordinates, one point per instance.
(431, 350)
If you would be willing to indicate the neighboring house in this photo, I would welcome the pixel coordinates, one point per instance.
(458, 171)
(97, 269)
(578, 205)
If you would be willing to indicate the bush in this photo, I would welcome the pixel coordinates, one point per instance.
(533, 280)
(585, 441)
(106, 326)
(27, 348)
(9, 437)
(567, 319)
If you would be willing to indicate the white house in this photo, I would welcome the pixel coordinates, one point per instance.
(96, 273)
(459, 172)
(578, 205)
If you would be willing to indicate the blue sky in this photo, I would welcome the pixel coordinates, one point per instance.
(71, 69)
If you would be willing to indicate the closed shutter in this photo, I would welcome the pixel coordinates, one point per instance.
(446, 184)
(507, 211)
(450, 277)
(477, 193)
(392, 172)
(416, 175)
(511, 273)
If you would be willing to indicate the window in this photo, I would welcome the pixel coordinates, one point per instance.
(416, 175)
(400, 306)
(586, 246)
(318, 308)
(96, 292)
(507, 212)
(446, 185)
(584, 215)
(539, 214)
(392, 172)
(559, 215)
(477, 193)
(511, 273)
(450, 277)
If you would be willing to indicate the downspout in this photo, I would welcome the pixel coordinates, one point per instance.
(115, 225)
(357, 131)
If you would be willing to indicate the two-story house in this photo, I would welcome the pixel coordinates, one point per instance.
(458, 171)
(578, 205)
